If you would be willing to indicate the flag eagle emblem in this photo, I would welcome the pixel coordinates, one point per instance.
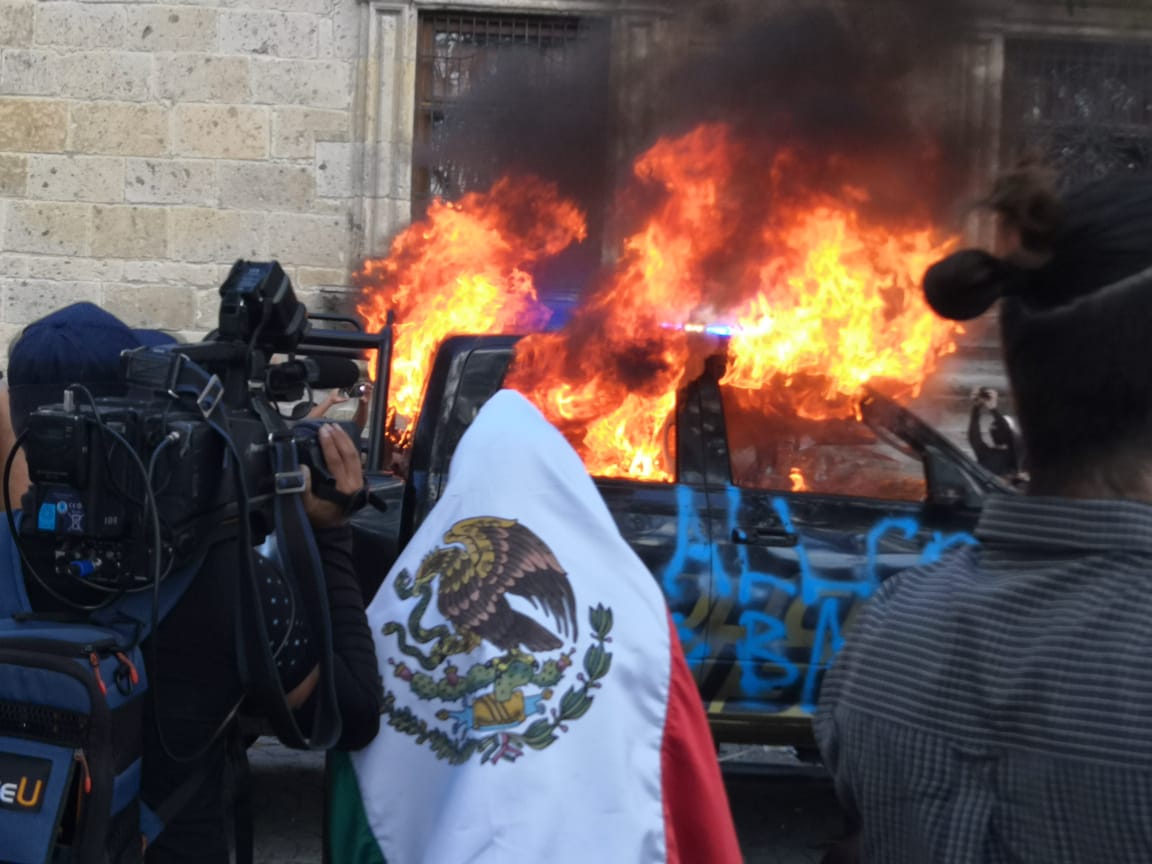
(500, 706)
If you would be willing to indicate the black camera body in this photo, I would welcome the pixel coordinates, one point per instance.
(190, 450)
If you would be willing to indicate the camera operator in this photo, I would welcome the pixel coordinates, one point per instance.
(196, 686)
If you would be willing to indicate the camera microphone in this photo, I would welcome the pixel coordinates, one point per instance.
(332, 373)
(322, 373)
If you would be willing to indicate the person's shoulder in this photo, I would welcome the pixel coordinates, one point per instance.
(903, 603)
(921, 588)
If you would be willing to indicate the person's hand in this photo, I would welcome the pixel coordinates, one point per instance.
(343, 461)
(334, 397)
(361, 416)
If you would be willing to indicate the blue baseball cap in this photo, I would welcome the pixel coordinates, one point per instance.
(79, 344)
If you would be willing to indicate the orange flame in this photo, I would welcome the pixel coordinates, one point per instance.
(798, 482)
(840, 304)
(822, 302)
(462, 270)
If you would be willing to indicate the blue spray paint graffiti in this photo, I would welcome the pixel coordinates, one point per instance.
(687, 546)
(764, 635)
(762, 647)
(691, 546)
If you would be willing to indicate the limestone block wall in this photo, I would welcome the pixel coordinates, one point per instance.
(145, 146)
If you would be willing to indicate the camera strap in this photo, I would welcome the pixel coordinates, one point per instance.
(300, 565)
(303, 570)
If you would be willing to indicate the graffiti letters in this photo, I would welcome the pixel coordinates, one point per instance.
(782, 613)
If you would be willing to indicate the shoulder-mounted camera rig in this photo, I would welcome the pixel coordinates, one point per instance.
(193, 443)
(131, 489)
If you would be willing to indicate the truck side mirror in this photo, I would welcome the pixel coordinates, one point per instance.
(949, 485)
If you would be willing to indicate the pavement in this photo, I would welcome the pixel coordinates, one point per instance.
(784, 808)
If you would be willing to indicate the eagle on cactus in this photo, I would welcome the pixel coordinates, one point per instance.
(486, 559)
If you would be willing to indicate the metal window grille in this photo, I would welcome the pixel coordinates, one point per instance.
(458, 111)
(1085, 106)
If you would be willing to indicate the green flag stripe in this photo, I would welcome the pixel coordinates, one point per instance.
(347, 833)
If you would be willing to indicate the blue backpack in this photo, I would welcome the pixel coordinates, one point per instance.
(72, 699)
(71, 703)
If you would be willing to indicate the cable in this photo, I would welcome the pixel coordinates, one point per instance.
(153, 643)
(8, 463)
(15, 533)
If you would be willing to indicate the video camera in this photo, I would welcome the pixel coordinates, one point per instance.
(126, 488)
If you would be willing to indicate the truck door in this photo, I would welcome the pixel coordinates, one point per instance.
(465, 374)
(808, 522)
(667, 525)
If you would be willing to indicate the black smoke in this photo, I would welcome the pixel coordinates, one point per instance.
(525, 103)
(531, 99)
(868, 90)
(865, 90)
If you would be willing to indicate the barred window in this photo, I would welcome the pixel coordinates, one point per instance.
(480, 80)
(1085, 106)
(499, 94)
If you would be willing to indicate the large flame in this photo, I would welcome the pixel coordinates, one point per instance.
(462, 269)
(839, 304)
(820, 302)
(820, 295)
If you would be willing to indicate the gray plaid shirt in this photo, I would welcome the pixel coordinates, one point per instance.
(997, 706)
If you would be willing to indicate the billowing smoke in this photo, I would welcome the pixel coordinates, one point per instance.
(866, 90)
(775, 133)
(538, 106)
(859, 87)
(722, 175)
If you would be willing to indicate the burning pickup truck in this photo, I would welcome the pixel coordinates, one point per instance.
(729, 377)
(763, 565)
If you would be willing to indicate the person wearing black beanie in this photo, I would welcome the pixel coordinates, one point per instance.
(993, 705)
(1074, 278)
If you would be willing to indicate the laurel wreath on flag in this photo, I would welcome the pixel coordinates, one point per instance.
(508, 746)
(575, 703)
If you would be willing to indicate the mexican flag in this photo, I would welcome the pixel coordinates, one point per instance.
(537, 703)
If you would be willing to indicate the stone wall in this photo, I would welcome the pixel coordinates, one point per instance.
(144, 147)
